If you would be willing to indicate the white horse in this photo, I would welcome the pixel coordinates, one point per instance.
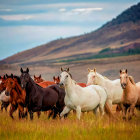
(82, 99)
(113, 87)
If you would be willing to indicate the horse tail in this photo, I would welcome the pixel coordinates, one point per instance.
(132, 80)
(108, 110)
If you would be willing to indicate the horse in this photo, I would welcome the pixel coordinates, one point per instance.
(3, 98)
(131, 94)
(41, 99)
(57, 81)
(17, 95)
(82, 99)
(113, 87)
(38, 79)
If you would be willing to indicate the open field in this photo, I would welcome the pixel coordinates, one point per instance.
(87, 128)
(108, 67)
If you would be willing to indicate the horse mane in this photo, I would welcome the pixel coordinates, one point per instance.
(18, 79)
(68, 73)
(131, 80)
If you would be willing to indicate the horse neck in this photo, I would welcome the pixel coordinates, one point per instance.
(30, 86)
(128, 87)
(18, 88)
(101, 80)
(70, 87)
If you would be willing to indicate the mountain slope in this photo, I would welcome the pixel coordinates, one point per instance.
(123, 31)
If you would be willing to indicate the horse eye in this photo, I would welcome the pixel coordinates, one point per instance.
(67, 76)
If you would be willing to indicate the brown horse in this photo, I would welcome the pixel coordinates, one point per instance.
(38, 79)
(17, 95)
(131, 94)
(56, 80)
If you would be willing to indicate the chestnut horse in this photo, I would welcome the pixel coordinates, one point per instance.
(38, 79)
(17, 95)
(57, 81)
(131, 94)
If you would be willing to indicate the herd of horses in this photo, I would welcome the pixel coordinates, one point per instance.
(63, 94)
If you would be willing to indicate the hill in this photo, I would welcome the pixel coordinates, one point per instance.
(117, 37)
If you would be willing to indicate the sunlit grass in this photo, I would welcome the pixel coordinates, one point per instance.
(88, 128)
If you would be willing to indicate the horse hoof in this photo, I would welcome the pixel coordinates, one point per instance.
(124, 118)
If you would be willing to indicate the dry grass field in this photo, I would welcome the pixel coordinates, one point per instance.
(87, 128)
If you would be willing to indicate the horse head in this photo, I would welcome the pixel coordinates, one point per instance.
(10, 84)
(65, 76)
(92, 76)
(24, 78)
(123, 78)
(56, 80)
(38, 79)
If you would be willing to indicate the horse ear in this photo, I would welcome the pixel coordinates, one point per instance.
(6, 75)
(94, 69)
(62, 69)
(126, 70)
(21, 70)
(58, 78)
(0, 77)
(12, 75)
(27, 70)
(53, 77)
(67, 69)
(120, 71)
(88, 69)
(40, 76)
(34, 76)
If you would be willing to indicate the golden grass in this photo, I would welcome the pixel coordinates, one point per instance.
(87, 128)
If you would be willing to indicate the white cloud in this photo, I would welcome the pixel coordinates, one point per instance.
(62, 10)
(16, 17)
(86, 9)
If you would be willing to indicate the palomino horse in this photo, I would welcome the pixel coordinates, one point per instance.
(113, 87)
(57, 81)
(17, 95)
(41, 99)
(38, 79)
(82, 99)
(131, 94)
(3, 98)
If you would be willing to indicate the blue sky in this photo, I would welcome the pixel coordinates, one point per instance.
(25, 24)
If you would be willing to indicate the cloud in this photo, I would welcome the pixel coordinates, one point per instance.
(6, 10)
(86, 9)
(62, 10)
(16, 17)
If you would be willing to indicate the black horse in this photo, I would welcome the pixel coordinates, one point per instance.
(41, 99)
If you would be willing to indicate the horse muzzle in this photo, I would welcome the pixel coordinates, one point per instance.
(123, 86)
(7, 93)
(61, 85)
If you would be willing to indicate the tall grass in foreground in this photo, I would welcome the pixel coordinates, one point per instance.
(87, 128)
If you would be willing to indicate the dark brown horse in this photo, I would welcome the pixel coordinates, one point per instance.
(41, 99)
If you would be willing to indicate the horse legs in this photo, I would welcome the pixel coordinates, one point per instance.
(124, 110)
(31, 114)
(131, 111)
(12, 109)
(38, 114)
(21, 110)
(95, 111)
(78, 112)
(65, 111)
